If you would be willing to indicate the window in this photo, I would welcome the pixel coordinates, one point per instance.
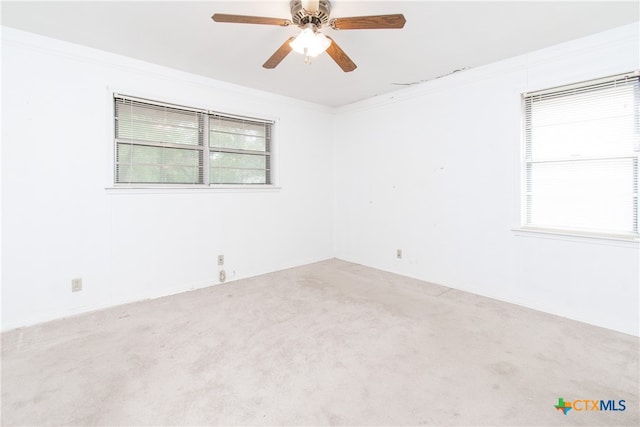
(239, 151)
(164, 144)
(581, 157)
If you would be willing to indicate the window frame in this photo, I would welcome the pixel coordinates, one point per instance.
(527, 227)
(267, 154)
(203, 147)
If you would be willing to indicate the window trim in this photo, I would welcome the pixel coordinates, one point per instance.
(164, 188)
(560, 233)
(574, 236)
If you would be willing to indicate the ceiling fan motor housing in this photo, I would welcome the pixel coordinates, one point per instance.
(301, 17)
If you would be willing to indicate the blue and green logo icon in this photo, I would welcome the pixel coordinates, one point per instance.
(563, 406)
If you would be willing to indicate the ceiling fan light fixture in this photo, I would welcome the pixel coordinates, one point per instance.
(310, 6)
(310, 16)
(310, 42)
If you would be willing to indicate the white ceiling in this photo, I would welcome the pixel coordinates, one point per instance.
(438, 38)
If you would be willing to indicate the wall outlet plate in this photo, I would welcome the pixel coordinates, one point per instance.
(76, 285)
(399, 253)
(220, 259)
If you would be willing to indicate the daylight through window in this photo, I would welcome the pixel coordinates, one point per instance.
(163, 144)
(581, 157)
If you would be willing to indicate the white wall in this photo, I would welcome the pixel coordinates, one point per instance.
(60, 221)
(435, 170)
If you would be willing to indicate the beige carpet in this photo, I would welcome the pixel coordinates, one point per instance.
(328, 343)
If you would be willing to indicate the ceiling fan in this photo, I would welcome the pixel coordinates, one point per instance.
(310, 17)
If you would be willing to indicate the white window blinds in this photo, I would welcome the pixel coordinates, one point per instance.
(239, 150)
(157, 143)
(581, 157)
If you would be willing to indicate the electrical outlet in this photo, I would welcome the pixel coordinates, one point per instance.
(76, 285)
(220, 259)
(399, 253)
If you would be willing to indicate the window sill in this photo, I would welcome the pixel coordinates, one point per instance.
(574, 236)
(162, 189)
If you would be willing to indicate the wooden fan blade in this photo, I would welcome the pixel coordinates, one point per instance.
(369, 22)
(279, 54)
(241, 19)
(341, 58)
